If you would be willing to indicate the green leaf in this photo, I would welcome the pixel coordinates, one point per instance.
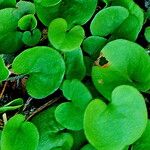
(127, 63)
(79, 139)
(74, 69)
(8, 26)
(15, 104)
(88, 64)
(27, 22)
(88, 147)
(8, 31)
(108, 20)
(4, 72)
(7, 3)
(144, 142)
(120, 123)
(70, 114)
(147, 34)
(48, 3)
(51, 132)
(31, 38)
(45, 68)
(74, 12)
(133, 24)
(62, 38)
(93, 45)
(130, 25)
(19, 135)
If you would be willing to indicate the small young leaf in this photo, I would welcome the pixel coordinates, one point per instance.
(108, 20)
(74, 69)
(126, 63)
(31, 38)
(27, 22)
(19, 135)
(45, 68)
(70, 114)
(114, 126)
(15, 104)
(147, 34)
(144, 142)
(62, 38)
(4, 72)
(51, 132)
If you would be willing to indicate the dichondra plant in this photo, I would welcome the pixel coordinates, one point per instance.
(74, 75)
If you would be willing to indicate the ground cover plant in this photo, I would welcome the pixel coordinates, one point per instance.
(74, 75)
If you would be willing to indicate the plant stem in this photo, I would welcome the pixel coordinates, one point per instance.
(15, 78)
(43, 107)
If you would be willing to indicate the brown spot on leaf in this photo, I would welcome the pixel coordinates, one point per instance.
(102, 61)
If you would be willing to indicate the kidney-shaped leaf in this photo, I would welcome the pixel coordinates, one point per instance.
(108, 20)
(127, 63)
(19, 135)
(62, 38)
(114, 126)
(70, 114)
(27, 22)
(31, 38)
(45, 68)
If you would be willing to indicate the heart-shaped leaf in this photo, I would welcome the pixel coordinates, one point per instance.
(4, 72)
(127, 63)
(108, 20)
(31, 38)
(74, 12)
(75, 69)
(62, 38)
(51, 132)
(45, 68)
(70, 114)
(27, 22)
(144, 142)
(15, 104)
(19, 135)
(114, 126)
(147, 34)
